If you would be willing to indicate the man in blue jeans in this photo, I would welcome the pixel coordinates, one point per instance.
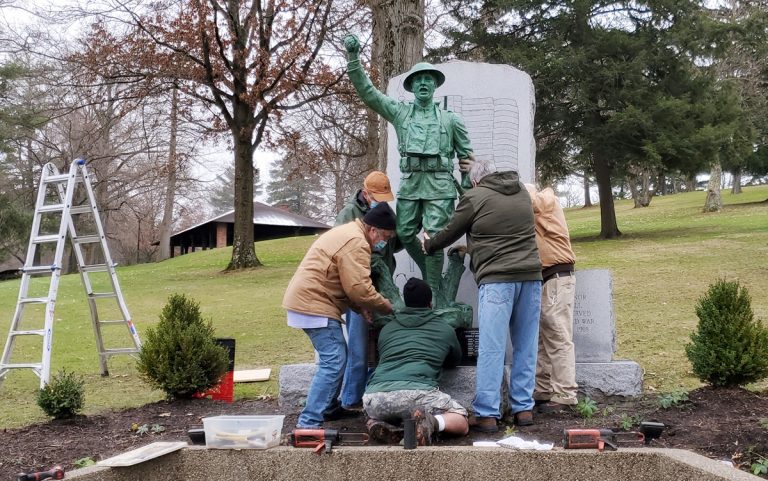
(335, 275)
(376, 189)
(497, 217)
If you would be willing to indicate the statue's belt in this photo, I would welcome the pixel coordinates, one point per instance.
(425, 164)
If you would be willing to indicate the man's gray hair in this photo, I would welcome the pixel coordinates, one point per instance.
(480, 168)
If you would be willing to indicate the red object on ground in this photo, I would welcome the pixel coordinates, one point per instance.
(224, 391)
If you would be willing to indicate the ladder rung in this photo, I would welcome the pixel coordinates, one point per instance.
(33, 300)
(38, 269)
(22, 365)
(102, 295)
(87, 239)
(30, 332)
(56, 178)
(124, 350)
(51, 208)
(46, 238)
(80, 209)
(94, 268)
(119, 321)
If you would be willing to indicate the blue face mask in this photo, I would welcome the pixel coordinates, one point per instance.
(374, 204)
(380, 245)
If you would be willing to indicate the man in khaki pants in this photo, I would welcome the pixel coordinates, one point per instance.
(556, 363)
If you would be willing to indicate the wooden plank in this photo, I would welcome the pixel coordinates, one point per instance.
(252, 375)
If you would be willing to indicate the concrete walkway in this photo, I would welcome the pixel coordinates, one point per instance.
(422, 464)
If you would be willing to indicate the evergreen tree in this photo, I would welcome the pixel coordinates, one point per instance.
(295, 185)
(15, 225)
(729, 346)
(607, 78)
(222, 197)
(743, 47)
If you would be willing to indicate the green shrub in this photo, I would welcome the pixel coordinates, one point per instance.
(63, 397)
(627, 422)
(84, 462)
(760, 467)
(180, 355)
(729, 347)
(673, 399)
(586, 407)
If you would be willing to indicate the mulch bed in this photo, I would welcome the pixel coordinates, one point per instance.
(717, 423)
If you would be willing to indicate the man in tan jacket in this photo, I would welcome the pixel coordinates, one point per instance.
(335, 275)
(556, 364)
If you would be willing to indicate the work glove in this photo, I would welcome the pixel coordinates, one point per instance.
(459, 251)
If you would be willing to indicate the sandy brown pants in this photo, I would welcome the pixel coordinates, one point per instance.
(556, 362)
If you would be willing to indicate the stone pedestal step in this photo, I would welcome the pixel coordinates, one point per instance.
(598, 380)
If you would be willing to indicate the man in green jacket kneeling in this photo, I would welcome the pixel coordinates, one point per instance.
(413, 348)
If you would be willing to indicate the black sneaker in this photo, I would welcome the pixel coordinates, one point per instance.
(340, 413)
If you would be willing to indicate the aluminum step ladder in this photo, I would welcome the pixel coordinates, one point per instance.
(63, 187)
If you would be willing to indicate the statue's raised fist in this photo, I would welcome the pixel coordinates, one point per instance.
(351, 43)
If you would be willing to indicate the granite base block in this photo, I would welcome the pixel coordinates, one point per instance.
(605, 380)
(598, 380)
(293, 382)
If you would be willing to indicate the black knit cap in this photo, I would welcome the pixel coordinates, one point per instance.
(382, 216)
(416, 293)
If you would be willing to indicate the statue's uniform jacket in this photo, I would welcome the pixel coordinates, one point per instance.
(428, 140)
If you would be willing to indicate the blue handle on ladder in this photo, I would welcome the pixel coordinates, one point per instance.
(80, 161)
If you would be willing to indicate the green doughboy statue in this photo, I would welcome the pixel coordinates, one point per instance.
(428, 139)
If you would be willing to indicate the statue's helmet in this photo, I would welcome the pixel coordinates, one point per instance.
(423, 67)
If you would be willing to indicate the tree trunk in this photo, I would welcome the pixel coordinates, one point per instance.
(714, 202)
(170, 187)
(398, 43)
(643, 194)
(690, 183)
(243, 251)
(587, 197)
(373, 143)
(609, 229)
(634, 192)
(736, 187)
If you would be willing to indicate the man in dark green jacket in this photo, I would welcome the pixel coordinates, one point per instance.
(413, 348)
(376, 189)
(497, 217)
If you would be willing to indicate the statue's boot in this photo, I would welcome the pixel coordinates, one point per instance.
(384, 283)
(414, 249)
(452, 276)
(434, 277)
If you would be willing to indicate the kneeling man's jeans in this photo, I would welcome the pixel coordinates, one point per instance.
(326, 385)
(507, 307)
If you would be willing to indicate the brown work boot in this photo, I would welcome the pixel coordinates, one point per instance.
(550, 407)
(482, 424)
(383, 432)
(426, 426)
(524, 418)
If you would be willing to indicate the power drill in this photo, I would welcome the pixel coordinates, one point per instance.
(56, 472)
(324, 439)
(599, 439)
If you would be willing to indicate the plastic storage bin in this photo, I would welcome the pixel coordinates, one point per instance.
(243, 432)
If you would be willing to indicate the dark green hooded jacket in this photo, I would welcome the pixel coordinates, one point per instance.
(497, 217)
(413, 348)
(356, 208)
